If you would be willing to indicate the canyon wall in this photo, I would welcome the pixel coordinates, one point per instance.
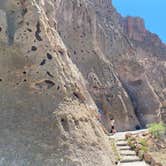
(110, 52)
(47, 115)
(60, 62)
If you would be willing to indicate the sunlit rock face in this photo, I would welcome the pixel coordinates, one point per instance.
(151, 54)
(47, 115)
(112, 53)
(61, 61)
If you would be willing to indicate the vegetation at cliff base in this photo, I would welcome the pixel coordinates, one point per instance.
(157, 129)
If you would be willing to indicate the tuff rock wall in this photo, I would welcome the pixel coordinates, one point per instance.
(47, 116)
(123, 63)
(59, 61)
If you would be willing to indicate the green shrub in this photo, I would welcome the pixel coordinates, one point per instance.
(157, 129)
(116, 154)
(143, 142)
(144, 148)
(131, 144)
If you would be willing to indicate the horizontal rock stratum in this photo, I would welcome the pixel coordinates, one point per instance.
(61, 61)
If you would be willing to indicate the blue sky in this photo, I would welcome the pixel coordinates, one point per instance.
(152, 11)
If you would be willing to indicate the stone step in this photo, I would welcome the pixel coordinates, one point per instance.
(126, 159)
(122, 143)
(120, 139)
(127, 152)
(137, 163)
(120, 148)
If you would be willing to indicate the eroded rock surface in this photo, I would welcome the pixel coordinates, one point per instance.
(59, 61)
(47, 116)
(124, 75)
(82, 26)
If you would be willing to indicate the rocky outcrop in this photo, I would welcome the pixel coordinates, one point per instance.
(135, 28)
(151, 54)
(61, 61)
(47, 115)
(103, 46)
(83, 34)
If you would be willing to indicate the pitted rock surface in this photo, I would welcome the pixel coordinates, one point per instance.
(46, 112)
(62, 60)
(126, 59)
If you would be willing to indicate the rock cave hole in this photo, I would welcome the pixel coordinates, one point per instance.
(28, 29)
(38, 31)
(33, 48)
(49, 74)
(76, 95)
(65, 124)
(24, 11)
(49, 56)
(49, 83)
(43, 62)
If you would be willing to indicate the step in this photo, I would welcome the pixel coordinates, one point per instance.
(120, 139)
(122, 143)
(126, 159)
(120, 148)
(137, 163)
(127, 152)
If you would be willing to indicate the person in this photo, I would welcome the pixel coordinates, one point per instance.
(112, 126)
(100, 113)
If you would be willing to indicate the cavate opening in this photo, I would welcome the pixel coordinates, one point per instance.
(43, 62)
(24, 11)
(76, 95)
(49, 83)
(49, 74)
(33, 48)
(38, 31)
(65, 124)
(76, 123)
(46, 84)
(49, 56)
(29, 30)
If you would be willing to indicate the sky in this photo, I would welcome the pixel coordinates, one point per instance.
(152, 11)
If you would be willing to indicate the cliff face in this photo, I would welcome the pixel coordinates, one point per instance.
(59, 61)
(82, 26)
(151, 54)
(115, 55)
(47, 115)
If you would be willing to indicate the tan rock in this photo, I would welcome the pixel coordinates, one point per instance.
(138, 148)
(128, 135)
(147, 158)
(126, 90)
(154, 163)
(47, 114)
